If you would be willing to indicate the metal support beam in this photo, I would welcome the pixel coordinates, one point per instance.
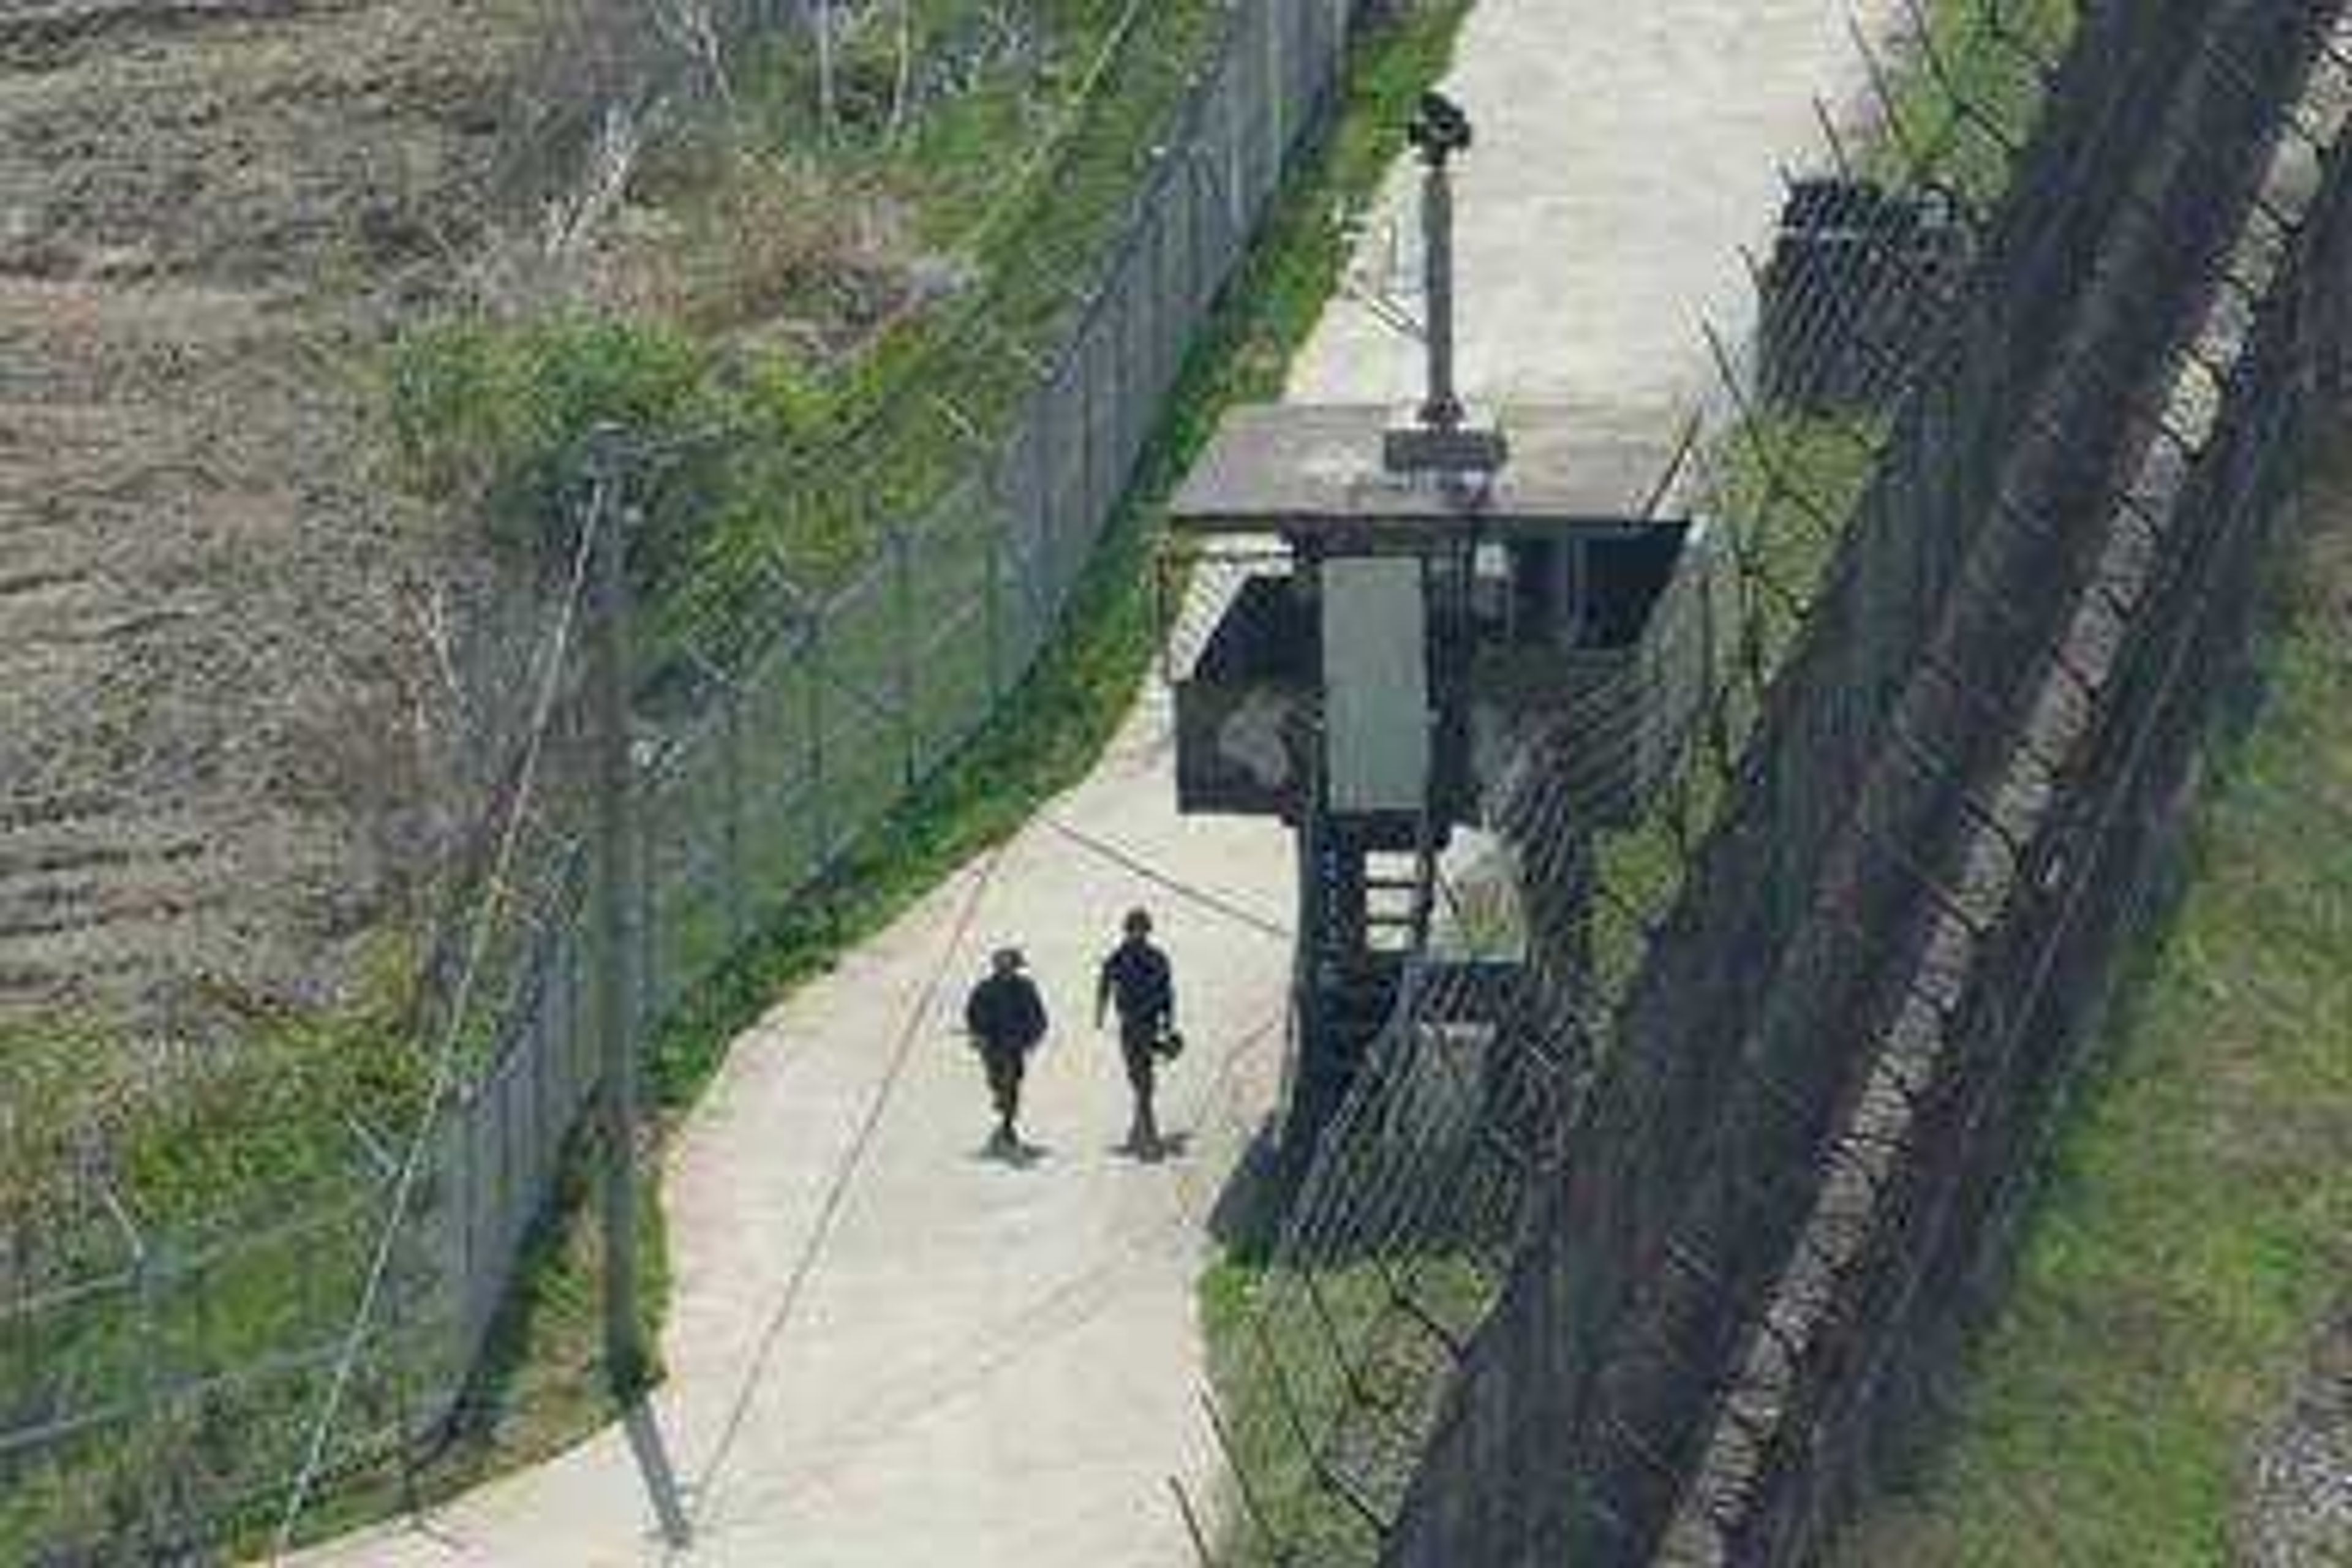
(1440, 436)
(617, 839)
(1442, 410)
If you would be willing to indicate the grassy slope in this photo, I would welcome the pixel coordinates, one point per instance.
(2195, 1220)
(482, 409)
(542, 1386)
(799, 458)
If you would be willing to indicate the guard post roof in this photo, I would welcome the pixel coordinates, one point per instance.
(1315, 473)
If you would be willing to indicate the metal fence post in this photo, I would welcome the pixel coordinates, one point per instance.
(144, 1291)
(1190, 171)
(544, 1116)
(1089, 448)
(1236, 149)
(502, 1119)
(462, 1185)
(1041, 462)
(644, 915)
(1277, 76)
(1134, 367)
(616, 1012)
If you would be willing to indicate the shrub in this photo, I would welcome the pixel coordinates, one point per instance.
(496, 418)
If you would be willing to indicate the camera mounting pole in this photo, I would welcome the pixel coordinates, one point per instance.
(1441, 435)
(1439, 135)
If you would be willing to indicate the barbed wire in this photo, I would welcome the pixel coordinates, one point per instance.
(936, 423)
(1640, 1353)
(1431, 1209)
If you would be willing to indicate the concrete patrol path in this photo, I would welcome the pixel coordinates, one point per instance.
(885, 1352)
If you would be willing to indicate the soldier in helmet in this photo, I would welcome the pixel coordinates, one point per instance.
(1136, 976)
(1006, 1019)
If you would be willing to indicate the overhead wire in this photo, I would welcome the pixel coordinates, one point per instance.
(1190, 890)
(843, 1175)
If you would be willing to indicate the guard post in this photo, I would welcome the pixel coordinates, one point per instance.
(1415, 588)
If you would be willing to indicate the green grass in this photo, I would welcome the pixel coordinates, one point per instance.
(2193, 1222)
(1964, 97)
(251, 1107)
(544, 1382)
(227, 1454)
(1254, 1354)
(1790, 485)
(995, 84)
(795, 459)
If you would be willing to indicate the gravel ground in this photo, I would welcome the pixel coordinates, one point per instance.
(2296, 1511)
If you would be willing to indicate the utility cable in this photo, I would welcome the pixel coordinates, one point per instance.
(1190, 891)
(844, 1173)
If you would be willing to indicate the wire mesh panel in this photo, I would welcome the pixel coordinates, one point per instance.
(1063, 459)
(767, 746)
(775, 818)
(956, 621)
(1657, 1288)
(1256, 159)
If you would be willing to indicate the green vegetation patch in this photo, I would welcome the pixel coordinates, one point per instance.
(200, 1130)
(1791, 484)
(2193, 1224)
(818, 332)
(1281, 1373)
(179, 1221)
(1966, 95)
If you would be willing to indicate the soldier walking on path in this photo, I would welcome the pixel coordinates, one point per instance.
(1137, 978)
(1007, 1019)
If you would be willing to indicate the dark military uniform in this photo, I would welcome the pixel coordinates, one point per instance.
(1137, 977)
(1007, 1019)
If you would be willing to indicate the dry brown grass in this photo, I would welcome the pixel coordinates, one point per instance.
(772, 240)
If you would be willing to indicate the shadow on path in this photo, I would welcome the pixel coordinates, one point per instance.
(661, 1480)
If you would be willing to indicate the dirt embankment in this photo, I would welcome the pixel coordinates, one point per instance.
(225, 715)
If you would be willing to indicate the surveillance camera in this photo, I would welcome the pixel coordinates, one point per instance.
(1440, 129)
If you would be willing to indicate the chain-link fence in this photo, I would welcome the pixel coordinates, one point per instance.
(1639, 1251)
(855, 696)
(157, 1393)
